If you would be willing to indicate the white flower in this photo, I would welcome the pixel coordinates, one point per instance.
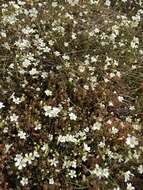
(86, 87)
(97, 126)
(86, 147)
(33, 12)
(27, 30)
(66, 57)
(72, 173)
(70, 138)
(16, 100)
(48, 92)
(106, 80)
(1, 105)
(72, 116)
(24, 181)
(99, 172)
(13, 118)
(45, 147)
(22, 135)
(127, 175)
(44, 75)
(102, 144)
(73, 36)
(5, 130)
(94, 59)
(53, 162)
(36, 154)
(137, 127)
(92, 2)
(51, 42)
(81, 68)
(29, 157)
(73, 2)
(117, 188)
(120, 98)
(96, 30)
(33, 71)
(114, 130)
(47, 110)
(51, 181)
(57, 53)
(140, 169)
(132, 108)
(66, 44)
(20, 162)
(112, 75)
(46, 49)
(86, 129)
(26, 63)
(67, 138)
(22, 44)
(135, 43)
(37, 126)
(7, 147)
(130, 187)
(74, 165)
(51, 111)
(61, 138)
(107, 2)
(131, 141)
(105, 172)
(110, 103)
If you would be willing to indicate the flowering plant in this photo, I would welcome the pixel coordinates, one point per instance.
(71, 94)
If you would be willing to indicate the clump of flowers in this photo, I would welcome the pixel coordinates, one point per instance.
(71, 94)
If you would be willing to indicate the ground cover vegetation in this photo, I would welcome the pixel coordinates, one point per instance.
(71, 95)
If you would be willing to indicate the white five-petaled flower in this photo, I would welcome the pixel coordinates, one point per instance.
(140, 169)
(33, 71)
(1, 105)
(26, 63)
(130, 187)
(96, 126)
(107, 2)
(127, 175)
(13, 117)
(120, 98)
(20, 162)
(72, 173)
(29, 157)
(24, 181)
(131, 141)
(53, 162)
(114, 130)
(51, 181)
(135, 42)
(48, 92)
(72, 116)
(22, 135)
